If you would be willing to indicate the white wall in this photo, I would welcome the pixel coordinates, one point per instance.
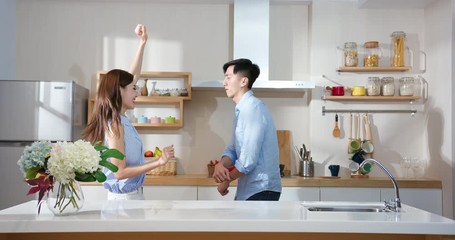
(69, 40)
(452, 100)
(53, 44)
(394, 135)
(7, 39)
(427, 134)
(438, 127)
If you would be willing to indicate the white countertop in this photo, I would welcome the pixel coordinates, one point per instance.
(225, 216)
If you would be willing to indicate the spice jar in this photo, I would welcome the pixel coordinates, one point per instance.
(350, 54)
(373, 86)
(183, 92)
(406, 86)
(388, 86)
(397, 54)
(373, 53)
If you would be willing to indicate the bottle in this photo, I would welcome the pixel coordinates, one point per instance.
(373, 53)
(145, 91)
(398, 46)
(350, 54)
(153, 91)
(388, 86)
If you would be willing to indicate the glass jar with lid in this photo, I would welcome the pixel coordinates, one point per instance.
(397, 48)
(350, 54)
(406, 86)
(373, 86)
(388, 86)
(373, 53)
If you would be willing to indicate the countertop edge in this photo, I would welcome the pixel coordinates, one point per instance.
(295, 181)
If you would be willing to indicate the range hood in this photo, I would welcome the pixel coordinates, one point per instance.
(251, 40)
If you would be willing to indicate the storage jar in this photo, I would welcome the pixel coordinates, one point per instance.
(373, 53)
(350, 54)
(397, 48)
(373, 86)
(406, 86)
(388, 86)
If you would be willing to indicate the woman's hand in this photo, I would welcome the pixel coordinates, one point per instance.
(141, 31)
(167, 153)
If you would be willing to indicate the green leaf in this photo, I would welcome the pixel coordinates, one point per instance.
(100, 148)
(31, 173)
(85, 177)
(100, 177)
(109, 166)
(112, 153)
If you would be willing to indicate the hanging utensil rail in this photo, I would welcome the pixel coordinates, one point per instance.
(324, 111)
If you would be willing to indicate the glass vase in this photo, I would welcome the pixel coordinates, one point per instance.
(65, 198)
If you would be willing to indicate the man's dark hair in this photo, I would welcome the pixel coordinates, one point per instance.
(246, 68)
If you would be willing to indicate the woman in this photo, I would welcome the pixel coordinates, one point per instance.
(117, 92)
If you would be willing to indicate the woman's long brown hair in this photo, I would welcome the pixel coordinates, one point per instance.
(108, 105)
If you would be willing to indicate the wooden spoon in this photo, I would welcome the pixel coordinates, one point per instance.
(336, 130)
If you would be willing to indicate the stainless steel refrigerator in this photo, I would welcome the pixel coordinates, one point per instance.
(31, 111)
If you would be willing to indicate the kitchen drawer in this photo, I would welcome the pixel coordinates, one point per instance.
(350, 194)
(211, 193)
(428, 199)
(170, 192)
(300, 194)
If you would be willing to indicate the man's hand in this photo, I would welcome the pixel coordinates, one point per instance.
(223, 188)
(221, 174)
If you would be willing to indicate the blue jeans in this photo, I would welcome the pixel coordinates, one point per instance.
(265, 196)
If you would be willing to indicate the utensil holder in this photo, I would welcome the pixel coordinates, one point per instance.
(306, 168)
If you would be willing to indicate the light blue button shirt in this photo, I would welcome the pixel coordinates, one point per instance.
(134, 155)
(254, 148)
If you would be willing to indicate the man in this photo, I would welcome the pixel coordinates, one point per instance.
(252, 154)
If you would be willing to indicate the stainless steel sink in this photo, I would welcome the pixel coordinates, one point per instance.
(347, 209)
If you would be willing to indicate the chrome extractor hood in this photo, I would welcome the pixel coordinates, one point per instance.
(251, 40)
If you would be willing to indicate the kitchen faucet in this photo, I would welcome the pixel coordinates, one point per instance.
(394, 206)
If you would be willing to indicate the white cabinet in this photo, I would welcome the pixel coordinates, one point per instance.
(350, 194)
(93, 193)
(428, 199)
(211, 193)
(287, 194)
(170, 192)
(97, 192)
(300, 194)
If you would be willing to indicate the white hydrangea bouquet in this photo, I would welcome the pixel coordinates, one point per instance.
(45, 164)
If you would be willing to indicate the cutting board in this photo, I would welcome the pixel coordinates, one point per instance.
(284, 145)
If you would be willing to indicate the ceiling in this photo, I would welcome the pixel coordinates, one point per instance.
(394, 4)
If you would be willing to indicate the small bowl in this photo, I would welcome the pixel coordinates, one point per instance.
(358, 91)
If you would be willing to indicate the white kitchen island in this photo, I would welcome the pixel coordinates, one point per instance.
(221, 220)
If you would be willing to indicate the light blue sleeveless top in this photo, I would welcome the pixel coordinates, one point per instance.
(134, 155)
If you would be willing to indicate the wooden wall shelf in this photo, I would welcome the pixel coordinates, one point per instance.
(371, 98)
(373, 69)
